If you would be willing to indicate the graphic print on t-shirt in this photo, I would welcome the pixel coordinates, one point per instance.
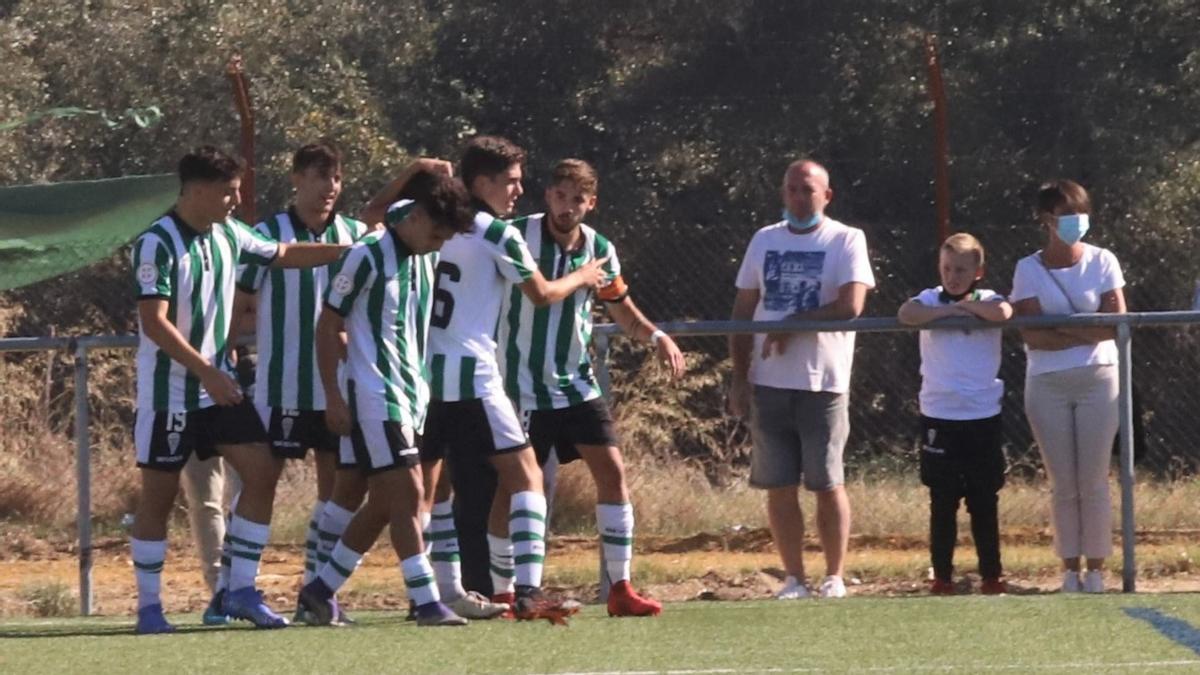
(792, 280)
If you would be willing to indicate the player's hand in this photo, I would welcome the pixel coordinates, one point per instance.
(223, 389)
(337, 415)
(434, 166)
(592, 273)
(776, 342)
(671, 357)
(739, 398)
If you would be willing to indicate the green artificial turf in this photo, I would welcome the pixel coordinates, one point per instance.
(1046, 634)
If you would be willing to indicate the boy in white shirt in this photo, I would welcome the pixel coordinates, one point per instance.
(961, 457)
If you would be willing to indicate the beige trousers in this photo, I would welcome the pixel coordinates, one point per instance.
(1073, 414)
(208, 487)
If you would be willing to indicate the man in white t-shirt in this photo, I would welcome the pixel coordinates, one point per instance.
(796, 387)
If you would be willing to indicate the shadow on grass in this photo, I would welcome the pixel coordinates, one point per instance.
(53, 631)
(1177, 630)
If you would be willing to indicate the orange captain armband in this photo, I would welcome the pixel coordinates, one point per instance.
(613, 291)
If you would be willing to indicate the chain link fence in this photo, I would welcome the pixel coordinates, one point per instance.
(694, 279)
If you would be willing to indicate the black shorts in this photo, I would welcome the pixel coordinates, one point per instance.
(293, 432)
(165, 440)
(377, 446)
(481, 427)
(561, 430)
(962, 456)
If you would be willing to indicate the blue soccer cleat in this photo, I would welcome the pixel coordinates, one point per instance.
(318, 604)
(247, 604)
(214, 614)
(437, 614)
(150, 621)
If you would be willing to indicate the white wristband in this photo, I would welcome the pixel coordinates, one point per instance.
(656, 336)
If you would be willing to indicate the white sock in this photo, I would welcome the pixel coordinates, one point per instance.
(246, 541)
(500, 565)
(527, 528)
(148, 557)
(330, 527)
(418, 579)
(342, 562)
(444, 554)
(312, 541)
(615, 522)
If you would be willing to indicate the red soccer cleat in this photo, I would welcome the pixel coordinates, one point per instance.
(509, 599)
(624, 601)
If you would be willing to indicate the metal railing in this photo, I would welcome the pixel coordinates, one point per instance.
(79, 347)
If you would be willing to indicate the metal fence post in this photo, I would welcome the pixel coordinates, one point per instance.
(1125, 413)
(83, 477)
(600, 341)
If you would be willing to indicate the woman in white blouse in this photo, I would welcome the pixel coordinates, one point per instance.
(1071, 378)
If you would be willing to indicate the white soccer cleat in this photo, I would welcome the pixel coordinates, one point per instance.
(1093, 581)
(793, 589)
(474, 606)
(833, 587)
(1071, 583)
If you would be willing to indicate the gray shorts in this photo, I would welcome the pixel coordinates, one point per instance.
(798, 434)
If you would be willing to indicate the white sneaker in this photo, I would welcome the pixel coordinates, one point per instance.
(474, 606)
(1093, 581)
(793, 589)
(833, 587)
(1071, 582)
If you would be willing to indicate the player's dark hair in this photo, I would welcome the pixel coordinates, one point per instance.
(1065, 193)
(323, 155)
(488, 156)
(210, 164)
(443, 198)
(578, 172)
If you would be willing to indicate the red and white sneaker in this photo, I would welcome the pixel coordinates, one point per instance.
(624, 601)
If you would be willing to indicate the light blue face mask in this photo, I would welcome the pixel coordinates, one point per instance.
(1072, 228)
(798, 224)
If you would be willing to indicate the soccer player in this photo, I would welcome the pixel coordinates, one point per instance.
(381, 297)
(185, 266)
(288, 394)
(544, 357)
(470, 418)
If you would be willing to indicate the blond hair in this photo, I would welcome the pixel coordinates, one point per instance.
(964, 243)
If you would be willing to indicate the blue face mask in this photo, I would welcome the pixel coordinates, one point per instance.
(1072, 228)
(805, 224)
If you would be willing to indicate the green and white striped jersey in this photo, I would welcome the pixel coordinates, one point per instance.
(543, 351)
(195, 273)
(289, 304)
(472, 273)
(385, 291)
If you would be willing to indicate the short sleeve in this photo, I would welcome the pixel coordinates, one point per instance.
(606, 249)
(250, 275)
(255, 247)
(1112, 277)
(152, 266)
(749, 276)
(857, 267)
(986, 295)
(1024, 285)
(352, 273)
(508, 249)
(927, 297)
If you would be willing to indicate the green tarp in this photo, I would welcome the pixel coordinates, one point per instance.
(48, 230)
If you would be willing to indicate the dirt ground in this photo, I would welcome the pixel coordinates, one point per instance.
(737, 566)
